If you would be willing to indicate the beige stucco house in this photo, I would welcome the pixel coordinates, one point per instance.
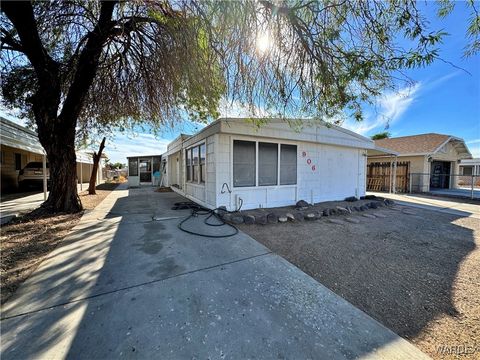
(424, 162)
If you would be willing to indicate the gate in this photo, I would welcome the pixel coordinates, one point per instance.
(379, 176)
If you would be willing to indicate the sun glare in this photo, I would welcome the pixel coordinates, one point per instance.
(263, 43)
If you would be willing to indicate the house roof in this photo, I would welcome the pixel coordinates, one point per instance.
(423, 144)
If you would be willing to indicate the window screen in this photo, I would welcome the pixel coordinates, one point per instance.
(243, 163)
(467, 170)
(195, 163)
(288, 164)
(188, 162)
(267, 164)
(133, 167)
(202, 162)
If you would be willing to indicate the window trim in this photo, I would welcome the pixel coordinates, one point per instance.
(197, 180)
(257, 141)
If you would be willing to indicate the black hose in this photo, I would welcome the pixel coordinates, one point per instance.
(200, 210)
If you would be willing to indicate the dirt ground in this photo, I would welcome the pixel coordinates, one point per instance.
(26, 241)
(417, 273)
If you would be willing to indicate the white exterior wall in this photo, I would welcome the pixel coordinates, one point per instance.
(203, 193)
(338, 172)
(337, 155)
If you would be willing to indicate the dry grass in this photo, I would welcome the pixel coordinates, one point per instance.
(25, 242)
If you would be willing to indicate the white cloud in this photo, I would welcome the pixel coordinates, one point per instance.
(234, 109)
(391, 107)
(124, 145)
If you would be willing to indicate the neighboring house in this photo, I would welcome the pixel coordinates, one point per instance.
(425, 162)
(20, 146)
(469, 167)
(469, 172)
(144, 170)
(232, 163)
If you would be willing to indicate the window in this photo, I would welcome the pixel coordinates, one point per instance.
(202, 162)
(133, 167)
(18, 161)
(467, 170)
(188, 160)
(288, 164)
(195, 163)
(244, 163)
(267, 164)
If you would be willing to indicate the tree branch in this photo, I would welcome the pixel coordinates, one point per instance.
(88, 64)
(21, 15)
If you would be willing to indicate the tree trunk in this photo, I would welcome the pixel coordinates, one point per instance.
(63, 196)
(96, 161)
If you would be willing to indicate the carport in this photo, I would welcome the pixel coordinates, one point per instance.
(17, 140)
(388, 172)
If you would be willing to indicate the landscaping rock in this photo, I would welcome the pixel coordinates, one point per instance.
(249, 219)
(299, 216)
(351, 199)
(363, 207)
(326, 212)
(379, 215)
(352, 220)
(369, 197)
(290, 217)
(302, 204)
(310, 216)
(388, 202)
(373, 205)
(282, 219)
(409, 212)
(336, 221)
(261, 219)
(370, 216)
(342, 210)
(227, 217)
(237, 219)
(272, 218)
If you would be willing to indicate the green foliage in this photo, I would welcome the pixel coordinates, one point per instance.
(382, 135)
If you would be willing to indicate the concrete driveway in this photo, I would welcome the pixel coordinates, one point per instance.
(123, 285)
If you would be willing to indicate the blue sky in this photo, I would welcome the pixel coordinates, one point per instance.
(444, 99)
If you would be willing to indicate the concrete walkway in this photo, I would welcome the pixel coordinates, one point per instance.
(125, 286)
(459, 207)
(17, 203)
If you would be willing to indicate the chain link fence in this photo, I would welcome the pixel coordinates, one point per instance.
(447, 184)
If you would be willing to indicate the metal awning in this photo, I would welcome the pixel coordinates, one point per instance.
(18, 137)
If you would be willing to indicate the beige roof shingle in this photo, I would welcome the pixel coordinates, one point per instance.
(415, 144)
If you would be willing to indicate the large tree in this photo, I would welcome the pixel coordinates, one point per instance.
(77, 67)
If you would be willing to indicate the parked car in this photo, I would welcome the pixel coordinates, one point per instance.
(32, 176)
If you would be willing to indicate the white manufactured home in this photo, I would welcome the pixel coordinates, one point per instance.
(232, 163)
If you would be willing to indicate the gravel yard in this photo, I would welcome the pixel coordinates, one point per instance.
(416, 271)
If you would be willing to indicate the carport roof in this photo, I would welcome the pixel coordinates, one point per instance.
(19, 137)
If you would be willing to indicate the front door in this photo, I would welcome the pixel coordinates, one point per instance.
(440, 175)
(145, 167)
